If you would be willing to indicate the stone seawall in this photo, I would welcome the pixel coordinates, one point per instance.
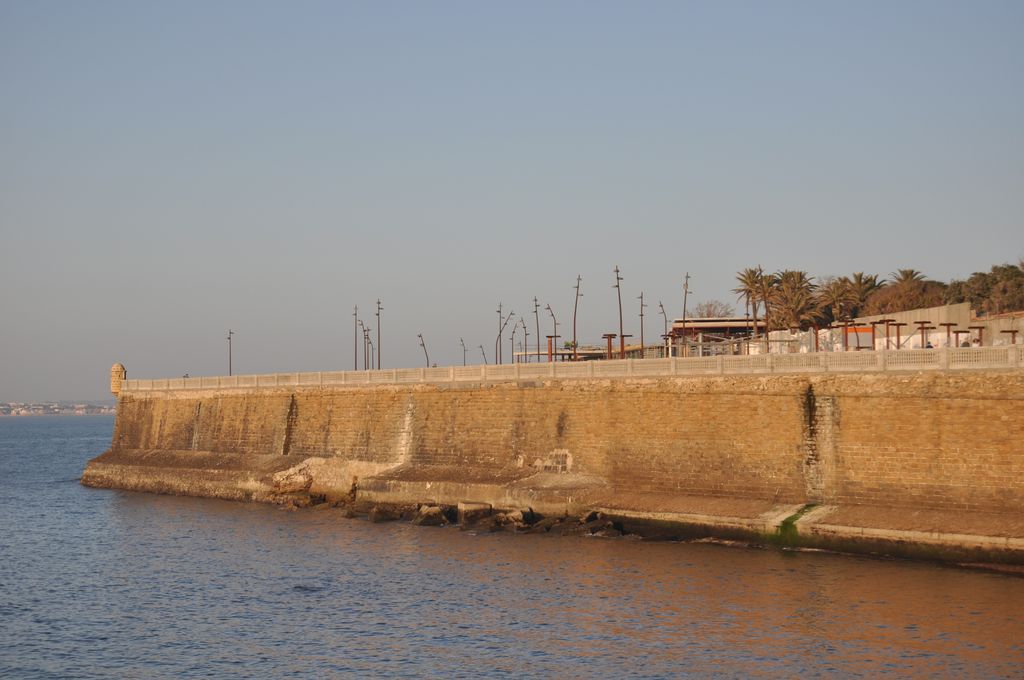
(914, 463)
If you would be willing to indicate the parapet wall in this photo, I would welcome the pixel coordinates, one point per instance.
(937, 440)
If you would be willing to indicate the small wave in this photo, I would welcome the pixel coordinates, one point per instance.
(302, 588)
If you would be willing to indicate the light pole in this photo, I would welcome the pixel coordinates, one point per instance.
(526, 340)
(366, 347)
(642, 305)
(686, 293)
(230, 333)
(665, 317)
(363, 327)
(497, 342)
(424, 346)
(355, 339)
(463, 343)
(618, 291)
(501, 329)
(379, 308)
(483, 354)
(575, 306)
(536, 320)
(554, 334)
(514, 327)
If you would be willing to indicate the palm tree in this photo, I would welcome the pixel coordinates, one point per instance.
(765, 290)
(906, 276)
(748, 280)
(793, 303)
(861, 287)
(837, 296)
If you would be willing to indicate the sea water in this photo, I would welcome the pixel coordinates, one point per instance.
(100, 583)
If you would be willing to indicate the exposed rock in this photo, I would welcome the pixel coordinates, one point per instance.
(470, 513)
(384, 514)
(293, 480)
(544, 525)
(429, 516)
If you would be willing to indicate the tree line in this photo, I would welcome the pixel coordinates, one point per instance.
(794, 299)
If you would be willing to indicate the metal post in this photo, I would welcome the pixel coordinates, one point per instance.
(497, 342)
(230, 333)
(575, 306)
(686, 293)
(379, 308)
(514, 327)
(536, 319)
(355, 339)
(618, 292)
(424, 346)
(463, 343)
(642, 305)
(554, 336)
(526, 340)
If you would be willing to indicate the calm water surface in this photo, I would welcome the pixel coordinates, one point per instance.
(97, 583)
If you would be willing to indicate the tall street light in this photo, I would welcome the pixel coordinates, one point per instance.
(363, 328)
(483, 354)
(355, 338)
(686, 293)
(536, 320)
(664, 315)
(230, 333)
(575, 306)
(501, 329)
(515, 326)
(379, 308)
(526, 340)
(366, 347)
(642, 305)
(424, 346)
(554, 333)
(497, 343)
(618, 291)
(463, 343)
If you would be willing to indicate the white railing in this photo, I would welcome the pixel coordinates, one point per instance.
(1008, 357)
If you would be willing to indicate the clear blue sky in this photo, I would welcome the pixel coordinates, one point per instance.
(170, 170)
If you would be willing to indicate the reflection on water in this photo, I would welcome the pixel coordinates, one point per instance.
(111, 583)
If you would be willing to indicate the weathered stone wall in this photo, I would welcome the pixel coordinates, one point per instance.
(935, 440)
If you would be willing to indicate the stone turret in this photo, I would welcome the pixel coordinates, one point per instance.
(117, 377)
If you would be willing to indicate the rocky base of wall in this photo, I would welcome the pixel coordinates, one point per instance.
(563, 504)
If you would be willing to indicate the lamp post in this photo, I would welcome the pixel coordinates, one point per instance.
(536, 319)
(618, 291)
(463, 343)
(526, 340)
(424, 346)
(642, 305)
(575, 306)
(483, 354)
(554, 334)
(686, 293)
(665, 336)
(355, 339)
(379, 308)
(230, 333)
(515, 326)
(497, 342)
(501, 329)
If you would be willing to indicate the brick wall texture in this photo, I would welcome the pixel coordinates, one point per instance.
(939, 440)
